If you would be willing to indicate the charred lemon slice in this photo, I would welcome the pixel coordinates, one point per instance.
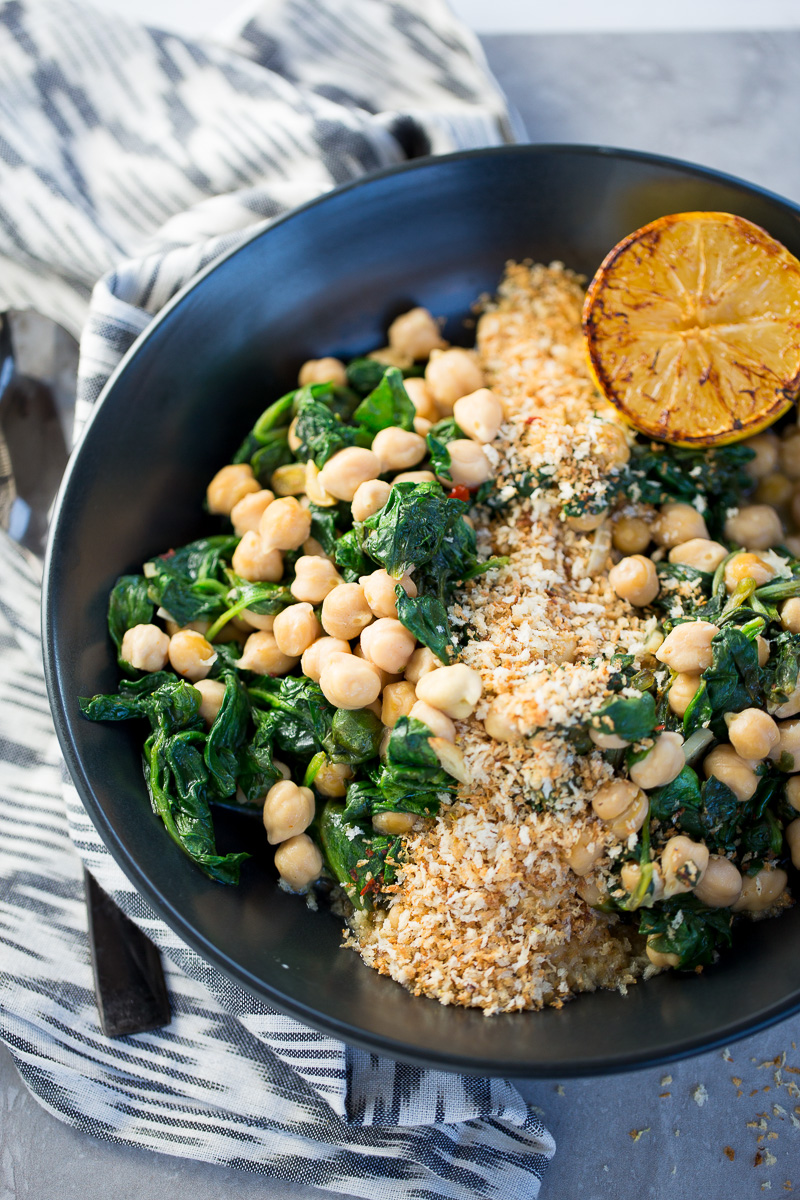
(693, 328)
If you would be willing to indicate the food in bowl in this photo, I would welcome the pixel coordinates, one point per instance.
(529, 823)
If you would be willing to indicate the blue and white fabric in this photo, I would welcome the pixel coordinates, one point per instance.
(130, 158)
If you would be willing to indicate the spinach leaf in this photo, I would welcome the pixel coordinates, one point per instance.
(256, 771)
(177, 780)
(132, 700)
(128, 605)
(324, 523)
(683, 793)
(411, 779)
(631, 718)
(439, 437)
(349, 556)
(362, 864)
(354, 736)
(226, 737)
(295, 715)
(683, 926)
(266, 599)
(190, 583)
(408, 531)
(320, 431)
(364, 375)
(388, 404)
(779, 676)
(426, 618)
(274, 453)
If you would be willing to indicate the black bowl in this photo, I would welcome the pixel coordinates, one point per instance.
(327, 280)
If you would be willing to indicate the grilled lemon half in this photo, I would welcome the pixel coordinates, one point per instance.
(692, 326)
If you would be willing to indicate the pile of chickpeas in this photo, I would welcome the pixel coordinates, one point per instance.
(679, 531)
(344, 636)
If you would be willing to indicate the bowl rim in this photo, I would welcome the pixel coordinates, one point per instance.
(679, 1047)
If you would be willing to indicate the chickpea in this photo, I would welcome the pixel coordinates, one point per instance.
(792, 832)
(398, 449)
(422, 426)
(438, 722)
(229, 486)
(660, 765)
(586, 851)
(349, 682)
(775, 490)
(288, 810)
(753, 733)
(678, 523)
(422, 662)
(762, 646)
(792, 544)
(756, 527)
(345, 611)
(386, 677)
(451, 758)
(630, 535)
(254, 620)
(191, 655)
(370, 497)
(761, 891)
(313, 549)
(766, 447)
(255, 562)
(790, 614)
(501, 722)
(657, 957)
(453, 690)
(390, 357)
(789, 452)
(612, 798)
(145, 647)
(682, 691)
(394, 824)
(787, 751)
(635, 579)
(721, 885)
(299, 862)
(469, 466)
(683, 864)
(315, 657)
(388, 644)
(295, 629)
(792, 792)
(790, 707)
(590, 893)
(414, 477)
(731, 769)
(587, 523)
(451, 374)
(212, 693)
(289, 480)
(379, 591)
(285, 524)
(323, 370)
(343, 474)
(263, 656)
(415, 333)
(480, 415)
(632, 818)
(420, 397)
(607, 741)
(246, 514)
(331, 779)
(398, 701)
(687, 648)
(699, 553)
(314, 578)
(746, 566)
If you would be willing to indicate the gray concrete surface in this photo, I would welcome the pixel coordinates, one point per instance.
(730, 101)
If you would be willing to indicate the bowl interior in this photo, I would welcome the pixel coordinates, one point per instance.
(328, 280)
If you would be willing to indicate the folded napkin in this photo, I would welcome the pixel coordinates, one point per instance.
(130, 158)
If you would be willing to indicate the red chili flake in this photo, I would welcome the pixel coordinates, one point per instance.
(659, 728)
(530, 420)
(730, 1153)
(371, 886)
(169, 554)
(459, 492)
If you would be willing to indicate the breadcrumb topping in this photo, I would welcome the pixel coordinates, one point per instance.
(488, 912)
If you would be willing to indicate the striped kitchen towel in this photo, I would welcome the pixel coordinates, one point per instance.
(129, 159)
